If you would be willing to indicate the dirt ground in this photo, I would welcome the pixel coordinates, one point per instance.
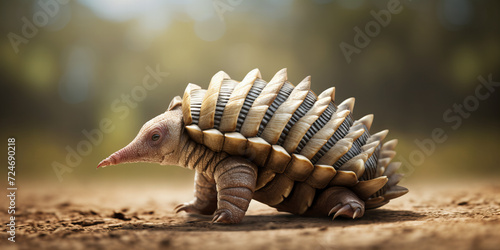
(460, 215)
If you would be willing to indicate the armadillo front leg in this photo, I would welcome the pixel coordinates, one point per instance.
(235, 178)
(205, 197)
(339, 201)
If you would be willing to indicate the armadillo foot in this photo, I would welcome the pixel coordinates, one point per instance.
(195, 207)
(235, 178)
(205, 197)
(339, 201)
(232, 205)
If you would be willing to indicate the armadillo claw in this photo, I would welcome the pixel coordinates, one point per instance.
(357, 213)
(335, 209)
(351, 210)
(196, 207)
(190, 208)
(224, 217)
(186, 207)
(345, 211)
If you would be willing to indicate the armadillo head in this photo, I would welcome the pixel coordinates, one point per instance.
(158, 140)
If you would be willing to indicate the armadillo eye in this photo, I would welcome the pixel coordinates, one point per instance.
(155, 137)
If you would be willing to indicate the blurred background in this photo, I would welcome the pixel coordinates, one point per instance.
(68, 67)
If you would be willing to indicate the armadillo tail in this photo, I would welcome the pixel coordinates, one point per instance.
(387, 168)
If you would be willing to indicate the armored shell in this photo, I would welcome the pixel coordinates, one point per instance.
(303, 143)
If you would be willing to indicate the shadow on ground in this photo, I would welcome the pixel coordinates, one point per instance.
(281, 221)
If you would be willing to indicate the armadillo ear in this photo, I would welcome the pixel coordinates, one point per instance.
(176, 102)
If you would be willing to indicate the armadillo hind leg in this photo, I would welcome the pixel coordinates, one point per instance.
(235, 179)
(339, 201)
(205, 197)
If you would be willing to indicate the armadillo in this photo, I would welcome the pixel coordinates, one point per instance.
(274, 142)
